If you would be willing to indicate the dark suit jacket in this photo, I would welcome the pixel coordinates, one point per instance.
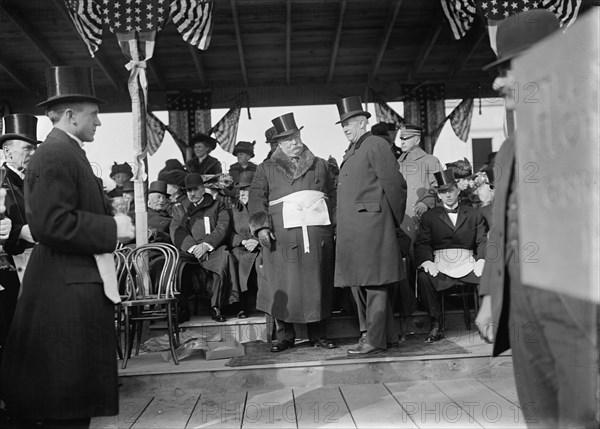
(15, 210)
(59, 361)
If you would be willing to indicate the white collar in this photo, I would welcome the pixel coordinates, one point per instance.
(17, 171)
(455, 206)
(75, 138)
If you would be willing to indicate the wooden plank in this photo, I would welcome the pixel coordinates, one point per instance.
(274, 409)
(487, 407)
(321, 407)
(504, 387)
(218, 411)
(171, 410)
(130, 409)
(373, 406)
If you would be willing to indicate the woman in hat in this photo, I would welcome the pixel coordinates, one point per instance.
(463, 173)
(119, 173)
(202, 162)
(244, 151)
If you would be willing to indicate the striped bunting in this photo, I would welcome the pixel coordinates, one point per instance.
(86, 16)
(193, 19)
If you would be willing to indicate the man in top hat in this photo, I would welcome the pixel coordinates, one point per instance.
(269, 134)
(59, 364)
(553, 336)
(298, 250)
(159, 220)
(120, 174)
(371, 201)
(199, 228)
(449, 250)
(202, 162)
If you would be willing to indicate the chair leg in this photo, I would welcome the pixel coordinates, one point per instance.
(139, 331)
(466, 313)
(443, 321)
(171, 334)
(127, 353)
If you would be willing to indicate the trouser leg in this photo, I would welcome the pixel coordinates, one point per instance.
(285, 331)
(316, 330)
(379, 317)
(429, 294)
(360, 296)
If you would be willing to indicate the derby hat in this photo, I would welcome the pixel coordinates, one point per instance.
(68, 83)
(350, 107)
(245, 179)
(244, 147)
(444, 180)
(121, 168)
(158, 187)
(20, 127)
(210, 142)
(518, 32)
(285, 125)
(269, 134)
(193, 180)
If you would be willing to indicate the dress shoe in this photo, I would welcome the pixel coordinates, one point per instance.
(242, 315)
(323, 343)
(282, 345)
(364, 349)
(436, 333)
(216, 315)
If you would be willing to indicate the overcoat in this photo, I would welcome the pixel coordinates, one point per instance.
(245, 260)
(299, 285)
(15, 210)
(59, 361)
(417, 168)
(159, 222)
(209, 165)
(371, 205)
(236, 170)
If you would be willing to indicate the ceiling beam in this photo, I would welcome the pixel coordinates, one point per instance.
(99, 58)
(466, 56)
(425, 49)
(11, 11)
(336, 43)
(288, 41)
(155, 70)
(199, 64)
(16, 75)
(238, 36)
(387, 32)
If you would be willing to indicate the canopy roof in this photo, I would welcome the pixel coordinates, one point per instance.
(299, 52)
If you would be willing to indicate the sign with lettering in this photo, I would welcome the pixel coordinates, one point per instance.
(557, 146)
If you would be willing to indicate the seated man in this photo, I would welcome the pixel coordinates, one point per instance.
(159, 220)
(199, 229)
(449, 249)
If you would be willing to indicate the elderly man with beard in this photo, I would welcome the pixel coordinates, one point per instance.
(159, 220)
(291, 201)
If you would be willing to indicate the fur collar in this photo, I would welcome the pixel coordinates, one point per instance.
(287, 166)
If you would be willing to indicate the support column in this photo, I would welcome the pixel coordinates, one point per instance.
(425, 106)
(189, 113)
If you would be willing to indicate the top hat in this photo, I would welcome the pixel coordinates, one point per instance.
(269, 134)
(520, 31)
(245, 179)
(193, 180)
(285, 125)
(411, 130)
(158, 187)
(70, 83)
(203, 138)
(20, 127)
(244, 147)
(349, 107)
(121, 168)
(445, 180)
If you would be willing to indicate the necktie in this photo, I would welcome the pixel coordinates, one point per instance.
(454, 210)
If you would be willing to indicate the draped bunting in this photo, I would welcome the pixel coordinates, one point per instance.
(155, 130)
(225, 130)
(460, 119)
(385, 113)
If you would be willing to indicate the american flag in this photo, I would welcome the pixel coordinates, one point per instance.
(225, 130)
(155, 133)
(460, 119)
(461, 13)
(86, 16)
(125, 16)
(385, 113)
(193, 19)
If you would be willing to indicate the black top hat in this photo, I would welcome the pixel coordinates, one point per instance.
(70, 83)
(269, 134)
(20, 127)
(244, 147)
(121, 168)
(203, 138)
(158, 187)
(520, 31)
(285, 125)
(445, 180)
(245, 179)
(193, 180)
(349, 107)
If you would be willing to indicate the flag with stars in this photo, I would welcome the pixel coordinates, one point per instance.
(225, 130)
(460, 119)
(126, 16)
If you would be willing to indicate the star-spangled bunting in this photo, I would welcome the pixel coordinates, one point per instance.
(155, 134)
(87, 18)
(462, 13)
(125, 16)
(225, 130)
(385, 113)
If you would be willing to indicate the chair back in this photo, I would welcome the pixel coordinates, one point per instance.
(146, 277)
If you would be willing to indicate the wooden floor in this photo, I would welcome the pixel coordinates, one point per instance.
(461, 403)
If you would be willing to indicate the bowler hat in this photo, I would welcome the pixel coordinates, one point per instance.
(121, 168)
(158, 187)
(244, 147)
(193, 180)
(245, 179)
(269, 134)
(445, 180)
(210, 142)
(349, 107)
(520, 31)
(285, 125)
(69, 83)
(20, 127)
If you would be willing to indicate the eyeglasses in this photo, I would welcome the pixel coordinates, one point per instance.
(406, 138)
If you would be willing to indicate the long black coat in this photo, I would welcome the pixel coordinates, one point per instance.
(209, 165)
(59, 361)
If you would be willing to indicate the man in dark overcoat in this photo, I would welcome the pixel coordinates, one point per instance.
(371, 205)
(298, 257)
(159, 221)
(59, 365)
(450, 248)
(553, 335)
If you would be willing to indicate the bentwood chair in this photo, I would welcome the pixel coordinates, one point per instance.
(464, 291)
(151, 294)
(120, 255)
